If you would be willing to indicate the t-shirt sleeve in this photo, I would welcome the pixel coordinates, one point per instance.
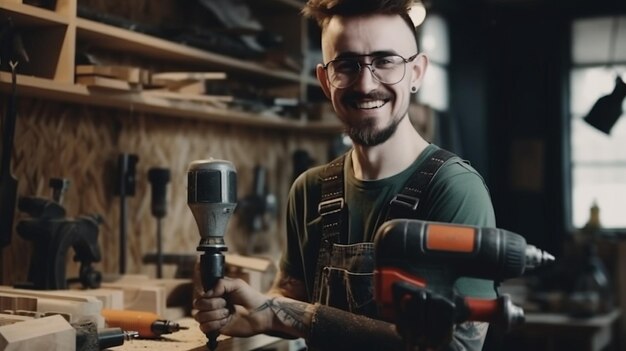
(291, 259)
(458, 194)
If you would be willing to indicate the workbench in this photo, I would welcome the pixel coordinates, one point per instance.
(193, 339)
(557, 331)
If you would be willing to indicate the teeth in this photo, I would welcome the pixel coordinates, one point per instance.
(370, 104)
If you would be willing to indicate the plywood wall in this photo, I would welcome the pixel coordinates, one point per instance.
(82, 144)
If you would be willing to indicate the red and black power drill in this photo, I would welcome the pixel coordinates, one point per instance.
(418, 262)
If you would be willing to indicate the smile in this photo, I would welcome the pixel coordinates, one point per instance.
(370, 105)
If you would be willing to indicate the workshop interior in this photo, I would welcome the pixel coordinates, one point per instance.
(141, 139)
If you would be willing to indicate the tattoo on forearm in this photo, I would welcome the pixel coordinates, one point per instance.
(291, 313)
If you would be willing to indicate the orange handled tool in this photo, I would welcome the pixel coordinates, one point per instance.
(147, 324)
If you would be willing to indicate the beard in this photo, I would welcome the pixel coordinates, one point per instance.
(364, 132)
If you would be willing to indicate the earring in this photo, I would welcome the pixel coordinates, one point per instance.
(413, 89)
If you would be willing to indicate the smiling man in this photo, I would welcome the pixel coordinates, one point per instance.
(323, 292)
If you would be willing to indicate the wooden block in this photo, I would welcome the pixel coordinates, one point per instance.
(258, 272)
(104, 83)
(140, 294)
(78, 307)
(111, 298)
(6, 319)
(190, 97)
(178, 76)
(48, 333)
(125, 73)
(189, 87)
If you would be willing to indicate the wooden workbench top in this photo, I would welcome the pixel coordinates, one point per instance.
(193, 339)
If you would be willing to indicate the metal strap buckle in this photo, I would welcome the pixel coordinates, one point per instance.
(330, 206)
(405, 200)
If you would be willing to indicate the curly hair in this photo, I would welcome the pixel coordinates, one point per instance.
(323, 10)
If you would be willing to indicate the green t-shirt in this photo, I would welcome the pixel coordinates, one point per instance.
(457, 194)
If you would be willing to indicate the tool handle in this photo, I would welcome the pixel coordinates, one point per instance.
(211, 269)
(139, 321)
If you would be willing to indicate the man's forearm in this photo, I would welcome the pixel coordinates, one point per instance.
(292, 317)
(326, 328)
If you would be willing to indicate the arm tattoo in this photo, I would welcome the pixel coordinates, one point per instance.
(291, 313)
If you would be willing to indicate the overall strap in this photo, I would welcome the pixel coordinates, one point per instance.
(332, 211)
(406, 203)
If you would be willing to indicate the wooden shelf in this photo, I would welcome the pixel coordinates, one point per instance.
(79, 94)
(30, 15)
(120, 39)
(50, 74)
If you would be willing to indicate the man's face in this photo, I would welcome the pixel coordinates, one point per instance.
(370, 110)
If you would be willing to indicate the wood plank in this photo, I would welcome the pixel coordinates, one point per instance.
(126, 73)
(176, 76)
(48, 333)
(104, 83)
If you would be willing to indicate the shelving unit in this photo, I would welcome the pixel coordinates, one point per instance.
(52, 36)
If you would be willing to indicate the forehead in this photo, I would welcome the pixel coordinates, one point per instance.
(367, 34)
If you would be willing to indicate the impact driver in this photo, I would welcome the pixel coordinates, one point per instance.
(418, 262)
(212, 198)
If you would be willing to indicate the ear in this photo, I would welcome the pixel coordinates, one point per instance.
(320, 72)
(418, 69)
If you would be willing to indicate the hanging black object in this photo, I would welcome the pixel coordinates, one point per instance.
(608, 108)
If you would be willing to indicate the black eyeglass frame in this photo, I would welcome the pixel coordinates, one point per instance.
(361, 65)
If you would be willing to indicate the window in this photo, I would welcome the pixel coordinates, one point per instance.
(434, 42)
(598, 160)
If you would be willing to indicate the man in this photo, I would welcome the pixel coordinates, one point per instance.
(372, 65)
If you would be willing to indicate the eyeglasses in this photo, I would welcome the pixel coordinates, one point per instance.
(388, 69)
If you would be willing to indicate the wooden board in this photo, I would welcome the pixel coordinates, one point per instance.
(193, 339)
(48, 333)
(104, 83)
(126, 73)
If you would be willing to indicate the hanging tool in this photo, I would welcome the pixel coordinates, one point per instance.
(12, 52)
(212, 197)
(52, 235)
(146, 324)
(159, 177)
(418, 262)
(257, 209)
(126, 164)
(59, 186)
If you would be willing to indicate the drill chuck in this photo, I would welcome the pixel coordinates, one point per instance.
(536, 257)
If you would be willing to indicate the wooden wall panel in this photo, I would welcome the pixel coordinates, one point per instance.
(82, 144)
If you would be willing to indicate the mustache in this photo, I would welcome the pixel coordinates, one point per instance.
(373, 95)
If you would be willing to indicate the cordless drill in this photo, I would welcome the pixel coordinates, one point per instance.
(418, 262)
(211, 196)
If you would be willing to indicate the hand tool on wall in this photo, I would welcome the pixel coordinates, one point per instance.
(258, 208)
(59, 187)
(159, 177)
(212, 197)
(12, 52)
(52, 235)
(418, 262)
(126, 164)
(146, 324)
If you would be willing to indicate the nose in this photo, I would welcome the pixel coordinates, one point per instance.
(365, 80)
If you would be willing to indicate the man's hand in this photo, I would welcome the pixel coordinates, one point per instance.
(233, 308)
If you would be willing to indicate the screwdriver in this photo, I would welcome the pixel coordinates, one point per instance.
(147, 324)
